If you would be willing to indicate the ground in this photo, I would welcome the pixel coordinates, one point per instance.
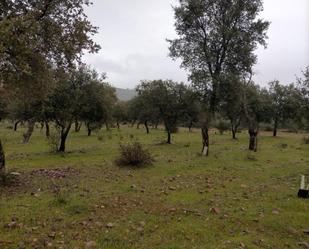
(81, 199)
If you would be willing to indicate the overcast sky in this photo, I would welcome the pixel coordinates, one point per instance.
(133, 38)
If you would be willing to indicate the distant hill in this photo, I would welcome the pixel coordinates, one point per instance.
(125, 94)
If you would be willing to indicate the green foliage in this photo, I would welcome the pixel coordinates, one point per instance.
(285, 102)
(222, 126)
(167, 99)
(37, 34)
(303, 88)
(53, 140)
(217, 38)
(134, 155)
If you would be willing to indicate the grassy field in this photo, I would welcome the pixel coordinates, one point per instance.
(233, 199)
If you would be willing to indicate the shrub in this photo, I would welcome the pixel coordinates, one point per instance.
(53, 141)
(268, 128)
(222, 126)
(134, 155)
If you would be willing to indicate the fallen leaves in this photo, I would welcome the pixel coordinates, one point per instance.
(58, 173)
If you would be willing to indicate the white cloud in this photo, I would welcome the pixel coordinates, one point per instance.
(133, 39)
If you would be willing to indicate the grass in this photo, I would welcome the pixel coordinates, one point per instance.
(233, 199)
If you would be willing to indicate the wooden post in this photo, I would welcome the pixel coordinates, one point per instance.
(303, 192)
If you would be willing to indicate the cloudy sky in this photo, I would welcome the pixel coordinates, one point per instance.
(133, 39)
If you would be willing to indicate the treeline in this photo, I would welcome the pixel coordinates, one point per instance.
(41, 46)
(75, 97)
(43, 79)
(240, 104)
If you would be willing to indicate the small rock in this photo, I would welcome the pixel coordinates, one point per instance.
(11, 225)
(304, 244)
(52, 235)
(292, 230)
(215, 210)
(275, 211)
(99, 224)
(109, 225)
(15, 174)
(306, 231)
(90, 244)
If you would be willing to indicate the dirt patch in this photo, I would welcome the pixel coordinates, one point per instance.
(58, 173)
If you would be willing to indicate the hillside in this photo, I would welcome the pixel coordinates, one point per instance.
(125, 94)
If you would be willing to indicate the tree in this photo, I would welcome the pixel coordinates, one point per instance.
(96, 101)
(79, 95)
(53, 32)
(2, 159)
(166, 97)
(191, 108)
(3, 104)
(143, 111)
(216, 38)
(257, 108)
(230, 105)
(284, 103)
(120, 112)
(303, 89)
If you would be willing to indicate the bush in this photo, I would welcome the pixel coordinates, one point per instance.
(53, 141)
(268, 128)
(134, 155)
(222, 126)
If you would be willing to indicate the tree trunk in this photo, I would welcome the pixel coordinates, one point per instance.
(235, 125)
(253, 139)
(64, 135)
(28, 133)
(138, 124)
(77, 126)
(169, 137)
(89, 129)
(275, 128)
(234, 133)
(16, 125)
(205, 138)
(2, 159)
(146, 126)
(190, 127)
(47, 132)
(107, 126)
(118, 125)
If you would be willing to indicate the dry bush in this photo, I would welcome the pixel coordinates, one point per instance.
(134, 155)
